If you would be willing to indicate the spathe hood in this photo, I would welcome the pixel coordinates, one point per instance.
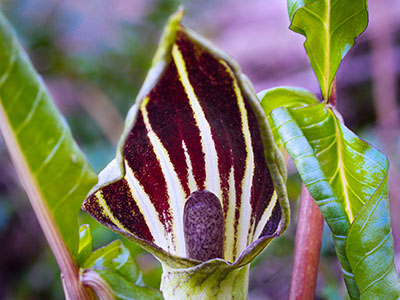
(196, 125)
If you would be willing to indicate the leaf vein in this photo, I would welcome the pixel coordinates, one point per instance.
(346, 20)
(10, 65)
(52, 152)
(31, 112)
(328, 147)
(314, 14)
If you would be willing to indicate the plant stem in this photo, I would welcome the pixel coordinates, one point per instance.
(307, 249)
(215, 281)
(308, 240)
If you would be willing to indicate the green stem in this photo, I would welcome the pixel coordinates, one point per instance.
(205, 283)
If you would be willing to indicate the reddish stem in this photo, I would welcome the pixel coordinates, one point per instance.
(308, 240)
(307, 249)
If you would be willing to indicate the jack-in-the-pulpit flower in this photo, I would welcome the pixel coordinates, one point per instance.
(197, 180)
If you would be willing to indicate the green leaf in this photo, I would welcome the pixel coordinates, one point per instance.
(55, 174)
(369, 248)
(85, 244)
(117, 257)
(330, 28)
(348, 180)
(112, 269)
(284, 96)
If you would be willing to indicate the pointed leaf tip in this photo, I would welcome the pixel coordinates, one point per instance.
(330, 28)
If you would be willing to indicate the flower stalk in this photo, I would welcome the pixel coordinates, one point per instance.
(210, 281)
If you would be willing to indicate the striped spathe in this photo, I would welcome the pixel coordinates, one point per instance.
(194, 130)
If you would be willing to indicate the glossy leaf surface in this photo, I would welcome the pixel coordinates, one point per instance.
(85, 244)
(330, 28)
(348, 180)
(54, 171)
(285, 96)
(112, 271)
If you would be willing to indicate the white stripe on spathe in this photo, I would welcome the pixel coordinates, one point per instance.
(208, 146)
(191, 181)
(265, 217)
(230, 219)
(161, 237)
(175, 190)
(247, 181)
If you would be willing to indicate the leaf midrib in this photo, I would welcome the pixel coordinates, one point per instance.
(328, 49)
(342, 172)
(326, 25)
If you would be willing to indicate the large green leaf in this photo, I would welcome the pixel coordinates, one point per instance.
(112, 271)
(53, 170)
(330, 28)
(348, 180)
